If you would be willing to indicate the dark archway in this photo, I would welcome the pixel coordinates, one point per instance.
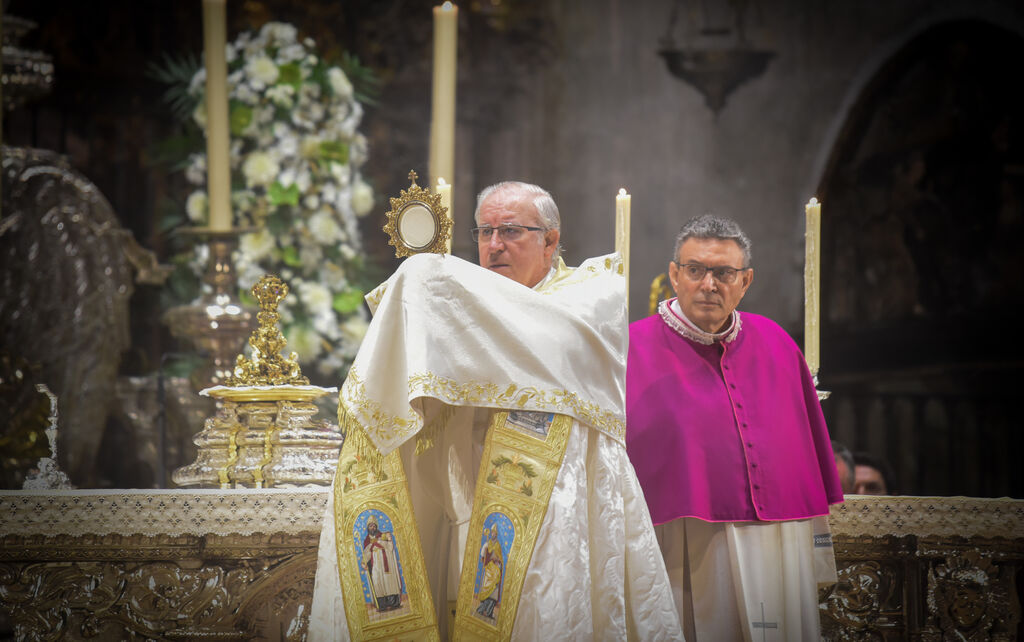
(922, 283)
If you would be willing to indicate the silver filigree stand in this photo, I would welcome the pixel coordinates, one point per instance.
(49, 476)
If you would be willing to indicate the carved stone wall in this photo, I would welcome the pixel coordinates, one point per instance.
(239, 565)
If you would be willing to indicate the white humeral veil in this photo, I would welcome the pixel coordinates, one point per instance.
(449, 334)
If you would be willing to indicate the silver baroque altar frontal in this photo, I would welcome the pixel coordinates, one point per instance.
(239, 564)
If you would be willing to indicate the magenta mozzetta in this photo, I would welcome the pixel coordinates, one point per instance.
(775, 463)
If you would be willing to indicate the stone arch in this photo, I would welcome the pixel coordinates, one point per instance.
(924, 185)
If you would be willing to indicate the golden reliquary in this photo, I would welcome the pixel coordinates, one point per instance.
(265, 432)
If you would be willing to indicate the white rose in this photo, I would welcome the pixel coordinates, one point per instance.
(288, 146)
(249, 274)
(333, 274)
(305, 342)
(362, 198)
(304, 179)
(260, 168)
(317, 297)
(245, 94)
(341, 173)
(282, 32)
(357, 150)
(328, 192)
(290, 53)
(281, 95)
(196, 206)
(257, 245)
(326, 324)
(311, 256)
(340, 84)
(324, 228)
(311, 202)
(196, 171)
(262, 70)
(355, 327)
(287, 177)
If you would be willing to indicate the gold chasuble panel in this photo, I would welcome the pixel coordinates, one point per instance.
(522, 456)
(380, 559)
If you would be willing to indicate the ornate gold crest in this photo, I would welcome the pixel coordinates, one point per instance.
(267, 367)
(417, 222)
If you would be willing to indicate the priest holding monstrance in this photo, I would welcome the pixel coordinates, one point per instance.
(485, 427)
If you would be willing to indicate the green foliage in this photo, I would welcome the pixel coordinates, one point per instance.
(239, 118)
(334, 151)
(347, 301)
(366, 84)
(176, 71)
(281, 195)
(290, 74)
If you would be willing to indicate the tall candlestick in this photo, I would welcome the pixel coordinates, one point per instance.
(218, 166)
(442, 121)
(444, 190)
(812, 283)
(622, 203)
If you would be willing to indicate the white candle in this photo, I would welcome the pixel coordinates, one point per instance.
(218, 166)
(445, 191)
(442, 115)
(812, 283)
(622, 203)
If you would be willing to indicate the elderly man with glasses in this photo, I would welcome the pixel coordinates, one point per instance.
(485, 422)
(726, 434)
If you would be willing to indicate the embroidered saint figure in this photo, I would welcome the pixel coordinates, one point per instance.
(381, 565)
(493, 564)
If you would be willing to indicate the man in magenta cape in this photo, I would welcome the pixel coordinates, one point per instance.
(726, 434)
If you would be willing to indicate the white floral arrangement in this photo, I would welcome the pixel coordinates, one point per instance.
(295, 159)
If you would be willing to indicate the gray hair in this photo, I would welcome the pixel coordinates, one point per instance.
(542, 201)
(709, 226)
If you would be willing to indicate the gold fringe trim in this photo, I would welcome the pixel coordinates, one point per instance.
(427, 437)
(365, 449)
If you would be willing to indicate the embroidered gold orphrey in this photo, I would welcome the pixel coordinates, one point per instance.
(521, 460)
(365, 485)
(522, 456)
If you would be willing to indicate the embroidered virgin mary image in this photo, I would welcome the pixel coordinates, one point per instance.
(380, 569)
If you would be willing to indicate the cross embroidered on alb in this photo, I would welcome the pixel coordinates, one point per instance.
(763, 625)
